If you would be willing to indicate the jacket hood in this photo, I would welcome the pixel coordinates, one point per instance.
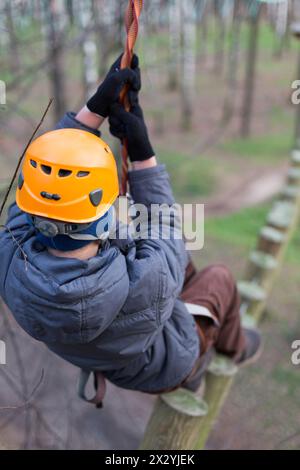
(66, 300)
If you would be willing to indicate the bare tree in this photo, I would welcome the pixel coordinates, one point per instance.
(70, 11)
(295, 10)
(107, 39)
(84, 13)
(247, 106)
(12, 37)
(297, 122)
(188, 62)
(174, 43)
(54, 24)
(201, 20)
(219, 37)
(279, 15)
(232, 73)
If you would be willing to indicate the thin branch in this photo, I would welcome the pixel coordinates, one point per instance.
(42, 422)
(28, 401)
(287, 439)
(22, 156)
(17, 243)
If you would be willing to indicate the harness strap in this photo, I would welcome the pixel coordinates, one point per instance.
(99, 384)
(132, 15)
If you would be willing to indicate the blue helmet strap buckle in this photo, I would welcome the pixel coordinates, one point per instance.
(51, 227)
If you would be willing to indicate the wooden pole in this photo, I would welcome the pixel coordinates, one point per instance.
(174, 430)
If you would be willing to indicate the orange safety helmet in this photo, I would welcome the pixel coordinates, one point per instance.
(68, 175)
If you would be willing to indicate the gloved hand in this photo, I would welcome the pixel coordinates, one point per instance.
(131, 126)
(109, 90)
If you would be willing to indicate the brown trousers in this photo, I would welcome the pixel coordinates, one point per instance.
(214, 288)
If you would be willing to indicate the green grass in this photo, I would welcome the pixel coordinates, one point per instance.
(282, 116)
(262, 149)
(238, 229)
(241, 229)
(190, 177)
(288, 378)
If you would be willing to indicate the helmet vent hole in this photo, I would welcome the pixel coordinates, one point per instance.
(46, 169)
(63, 173)
(33, 163)
(82, 174)
(106, 149)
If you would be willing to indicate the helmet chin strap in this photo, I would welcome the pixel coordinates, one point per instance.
(98, 230)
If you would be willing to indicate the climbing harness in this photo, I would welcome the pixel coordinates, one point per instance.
(99, 384)
(132, 15)
(199, 407)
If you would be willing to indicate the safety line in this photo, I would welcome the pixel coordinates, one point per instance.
(132, 15)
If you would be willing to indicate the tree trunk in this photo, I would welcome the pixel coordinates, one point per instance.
(201, 21)
(297, 122)
(54, 37)
(120, 33)
(105, 41)
(89, 49)
(174, 43)
(233, 62)
(70, 11)
(204, 38)
(188, 63)
(247, 106)
(220, 31)
(281, 28)
(295, 10)
(13, 41)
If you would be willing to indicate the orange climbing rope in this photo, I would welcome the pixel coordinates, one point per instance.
(133, 12)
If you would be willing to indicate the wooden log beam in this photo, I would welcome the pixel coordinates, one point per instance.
(295, 158)
(290, 192)
(270, 240)
(169, 429)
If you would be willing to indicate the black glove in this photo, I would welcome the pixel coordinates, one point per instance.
(131, 126)
(109, 90)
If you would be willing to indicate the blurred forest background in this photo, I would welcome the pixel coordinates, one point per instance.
(217, 78)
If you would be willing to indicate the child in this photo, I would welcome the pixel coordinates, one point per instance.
(109, 305)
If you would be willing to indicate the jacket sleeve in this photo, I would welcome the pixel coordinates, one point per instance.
(69, 121)
(157, 268)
